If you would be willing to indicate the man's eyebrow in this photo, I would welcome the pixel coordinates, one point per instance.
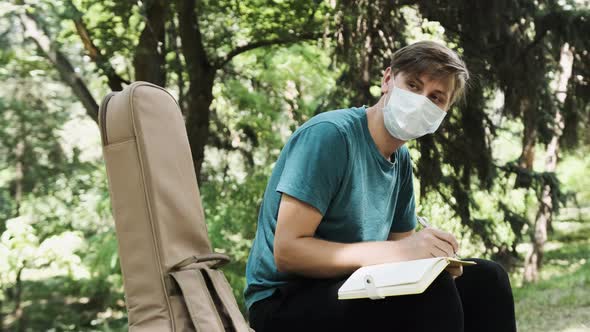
(416, 78)
(441, 92)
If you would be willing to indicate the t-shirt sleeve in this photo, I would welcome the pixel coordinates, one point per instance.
(404, 218)
(315, 162)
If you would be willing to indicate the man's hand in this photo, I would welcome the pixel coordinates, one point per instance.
(455, 271)
(430, 242)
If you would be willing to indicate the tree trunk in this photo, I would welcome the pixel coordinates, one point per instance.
(199, 98)
(17, 311)
(527, 156)
(201, 76)
(534, 258)
(149, 61)
(544, 216)
(177, 66)
(18, 176)
(1, 316)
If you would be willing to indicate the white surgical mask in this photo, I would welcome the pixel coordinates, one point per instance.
(408, 115)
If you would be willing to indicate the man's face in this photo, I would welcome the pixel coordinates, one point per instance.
(437, 90)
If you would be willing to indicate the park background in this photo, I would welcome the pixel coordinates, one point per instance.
(508, 172)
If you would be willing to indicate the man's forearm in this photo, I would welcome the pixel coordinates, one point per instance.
(318, 258)
(400, 236)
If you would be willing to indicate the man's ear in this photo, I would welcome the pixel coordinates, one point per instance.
(387, 76)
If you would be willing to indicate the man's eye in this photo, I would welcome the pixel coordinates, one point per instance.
(437, 100)
(412, 85)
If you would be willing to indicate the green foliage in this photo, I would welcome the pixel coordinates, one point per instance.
(512, 49)
(572, 171)
(59, 265)
(231, 208)
(56, 227)
(227, 24)
(255, 111)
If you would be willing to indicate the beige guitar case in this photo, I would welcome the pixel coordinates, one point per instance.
(170, 273)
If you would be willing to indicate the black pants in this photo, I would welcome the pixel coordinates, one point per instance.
(479, 300)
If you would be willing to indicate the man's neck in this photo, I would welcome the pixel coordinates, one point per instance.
(386, 143)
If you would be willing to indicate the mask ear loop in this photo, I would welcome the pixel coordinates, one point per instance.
(387, 98)
(390, 93)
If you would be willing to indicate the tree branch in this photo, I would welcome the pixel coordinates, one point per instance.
(262, 43)
(38, 35)
(114, 80)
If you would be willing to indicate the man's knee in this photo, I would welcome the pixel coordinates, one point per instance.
(443, 283)
(490, 272)
(441, 298)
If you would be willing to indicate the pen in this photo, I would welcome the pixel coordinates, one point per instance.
(424, 222)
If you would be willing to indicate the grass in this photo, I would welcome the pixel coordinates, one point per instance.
(560, 300)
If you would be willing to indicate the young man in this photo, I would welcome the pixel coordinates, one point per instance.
(341, 197)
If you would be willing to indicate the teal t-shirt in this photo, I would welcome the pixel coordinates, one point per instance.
(332, 163)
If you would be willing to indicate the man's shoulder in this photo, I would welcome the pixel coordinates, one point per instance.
(345, 120)
(404, 158)
(404, 152)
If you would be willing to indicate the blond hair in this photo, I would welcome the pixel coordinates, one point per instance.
(436, 61)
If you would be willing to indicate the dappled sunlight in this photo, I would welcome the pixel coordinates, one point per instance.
(55, 256)
(560, 300)
(247, 75)
(577, 328)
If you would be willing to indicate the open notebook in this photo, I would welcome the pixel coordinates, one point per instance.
(398, 278)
